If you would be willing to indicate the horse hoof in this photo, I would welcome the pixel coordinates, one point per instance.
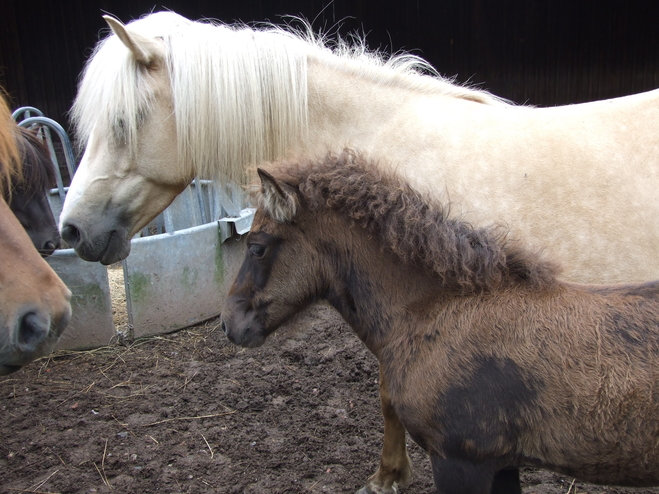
(369, 489)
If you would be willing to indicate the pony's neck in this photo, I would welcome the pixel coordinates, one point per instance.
(371, 288)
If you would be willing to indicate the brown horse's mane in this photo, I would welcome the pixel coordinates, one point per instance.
(414, 227)
(9, 153)
(38, 172)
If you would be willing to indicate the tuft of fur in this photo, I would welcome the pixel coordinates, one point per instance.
(412, 226)
(279, 200)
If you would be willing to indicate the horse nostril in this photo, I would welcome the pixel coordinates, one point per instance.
(49, 247)
(33, 328)
(70, 234)
(224, 327)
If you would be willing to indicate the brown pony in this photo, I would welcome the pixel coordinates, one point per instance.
(34, 303)
(486, 359)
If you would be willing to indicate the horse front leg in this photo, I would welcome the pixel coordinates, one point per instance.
(395, 465)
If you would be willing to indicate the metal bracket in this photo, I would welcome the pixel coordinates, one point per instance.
(241, 223)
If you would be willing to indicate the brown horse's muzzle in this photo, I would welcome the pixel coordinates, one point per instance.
(242, 324)
(30, 336)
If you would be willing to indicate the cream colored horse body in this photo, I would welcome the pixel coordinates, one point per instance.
(578, 181)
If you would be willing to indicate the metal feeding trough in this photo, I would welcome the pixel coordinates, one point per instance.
(179, 269)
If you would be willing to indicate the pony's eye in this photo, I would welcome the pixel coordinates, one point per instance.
(257, 250)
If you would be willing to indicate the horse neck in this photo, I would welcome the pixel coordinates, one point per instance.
(369, 286)
(396, 119)
(348, 108)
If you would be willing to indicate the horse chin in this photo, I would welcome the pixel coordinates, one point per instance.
(115, 252)
(248, 339)
(250, 336)
(106, 249)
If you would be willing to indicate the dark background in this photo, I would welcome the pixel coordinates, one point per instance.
(541, 53)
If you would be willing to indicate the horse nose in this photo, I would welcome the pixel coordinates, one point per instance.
(50, 246)
(223, 326)
(70, 234)
(33, 329)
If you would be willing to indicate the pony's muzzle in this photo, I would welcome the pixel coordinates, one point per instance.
(242, 327)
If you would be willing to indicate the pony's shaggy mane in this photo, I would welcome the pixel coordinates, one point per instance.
(412, 226)
(245, 87)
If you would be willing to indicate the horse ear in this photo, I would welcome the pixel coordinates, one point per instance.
(279, 199)
(145, 50)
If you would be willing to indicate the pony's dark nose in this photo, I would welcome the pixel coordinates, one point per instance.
(70, 234)
(223, 326)
(33, 329)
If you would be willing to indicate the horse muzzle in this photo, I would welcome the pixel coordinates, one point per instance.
(105, 246)
(242, 328)
(30, 336)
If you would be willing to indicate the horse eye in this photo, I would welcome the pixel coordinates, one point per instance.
(257, 250)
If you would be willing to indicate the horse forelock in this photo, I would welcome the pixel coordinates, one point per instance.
(113, 93)
(413, 227)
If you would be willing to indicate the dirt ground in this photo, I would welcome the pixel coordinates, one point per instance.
(191, 413)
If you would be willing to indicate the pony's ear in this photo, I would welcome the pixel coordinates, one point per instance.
(145, 50)
(279, 199)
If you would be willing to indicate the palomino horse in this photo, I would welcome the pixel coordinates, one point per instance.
(490, 362)
(34, 303)
(29, 193)
(165, 99)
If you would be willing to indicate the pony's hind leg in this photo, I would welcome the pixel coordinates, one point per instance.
(395, 465)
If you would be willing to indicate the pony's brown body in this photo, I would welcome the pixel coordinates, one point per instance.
(488, 361)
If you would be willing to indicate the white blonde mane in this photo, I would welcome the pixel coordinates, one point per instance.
(240, 94)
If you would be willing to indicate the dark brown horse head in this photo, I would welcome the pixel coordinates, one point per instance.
(280, 274)
(29, 195)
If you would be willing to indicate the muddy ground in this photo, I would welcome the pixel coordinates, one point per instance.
(191, 413)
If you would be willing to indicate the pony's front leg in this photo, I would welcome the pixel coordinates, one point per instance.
(395, 465)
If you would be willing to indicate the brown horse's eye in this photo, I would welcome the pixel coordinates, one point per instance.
(257, 250)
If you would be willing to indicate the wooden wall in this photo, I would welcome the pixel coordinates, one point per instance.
(541, 53)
